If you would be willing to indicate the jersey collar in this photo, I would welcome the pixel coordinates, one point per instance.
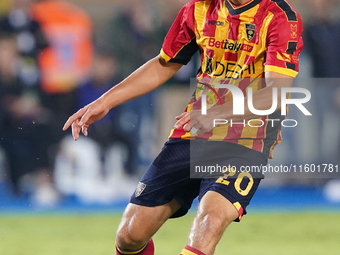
(236, 10)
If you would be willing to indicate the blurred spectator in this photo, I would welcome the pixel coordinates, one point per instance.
(132, 36)
(66, 63)
(142, 27)
(108, 130)
(23, 127)
(322, 37)
(94, 168)
(24, 122)
(69, 30)
(29, 40)
(169, 10)
(133, 39)
(321, 41)
(35, 107)
(5, 6)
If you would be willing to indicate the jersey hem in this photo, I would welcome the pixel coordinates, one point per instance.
(164, 55)
(280, 70)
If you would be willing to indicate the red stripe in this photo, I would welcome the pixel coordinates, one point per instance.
(240, 212)
(206, 78)
(259, 18)
(189, 248)
(222, 93)
(197, 104)
(210, 53)
(192, 100)
(229, 56)
(234, 23)
(249, 60)
(180, 34)
(258, 143)
(206, 135)
(243, 85)
(178, 133)
(212, 14)
(234, 132)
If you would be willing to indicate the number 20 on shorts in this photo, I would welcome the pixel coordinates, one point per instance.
(230, 172)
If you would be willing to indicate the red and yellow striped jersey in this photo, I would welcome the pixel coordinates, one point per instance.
(237, 46)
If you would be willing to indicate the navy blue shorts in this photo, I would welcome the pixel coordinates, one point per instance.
(168, 176)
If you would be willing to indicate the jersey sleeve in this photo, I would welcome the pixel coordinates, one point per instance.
(284, 44)
(180, 42)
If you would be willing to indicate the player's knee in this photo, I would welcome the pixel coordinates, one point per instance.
(129, 240)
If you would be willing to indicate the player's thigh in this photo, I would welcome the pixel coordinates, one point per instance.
(214, 214)
(237, 191)
(235, 184)
(139, 223)
(219, 207)
(168, 178)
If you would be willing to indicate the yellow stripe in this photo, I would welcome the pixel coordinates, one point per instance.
(201, 9)
(186, 252)
(171, 132)
(248, 16)
(281, 70)
(219, 133)
(187, 135)
(237, 205)
(245, 142)
(266, 23)
(130, 252)
(164, 55)
(283, 57)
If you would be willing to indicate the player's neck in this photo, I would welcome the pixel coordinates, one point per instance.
(239, 2)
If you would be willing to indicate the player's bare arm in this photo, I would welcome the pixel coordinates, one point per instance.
(145, 79)
(262, 100)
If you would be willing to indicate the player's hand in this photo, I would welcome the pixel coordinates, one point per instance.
(87, 115)
(195, 119)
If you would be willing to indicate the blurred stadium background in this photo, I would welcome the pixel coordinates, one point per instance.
(62, 197)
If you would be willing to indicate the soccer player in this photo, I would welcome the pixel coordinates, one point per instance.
(239, 41)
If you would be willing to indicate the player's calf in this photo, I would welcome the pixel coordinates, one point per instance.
(139, 224)
(214, 214)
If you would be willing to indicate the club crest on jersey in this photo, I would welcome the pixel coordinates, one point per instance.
(140, 188)
(293, 29)
(250, 30)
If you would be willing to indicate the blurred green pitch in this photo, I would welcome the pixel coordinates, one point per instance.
(279, 234)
